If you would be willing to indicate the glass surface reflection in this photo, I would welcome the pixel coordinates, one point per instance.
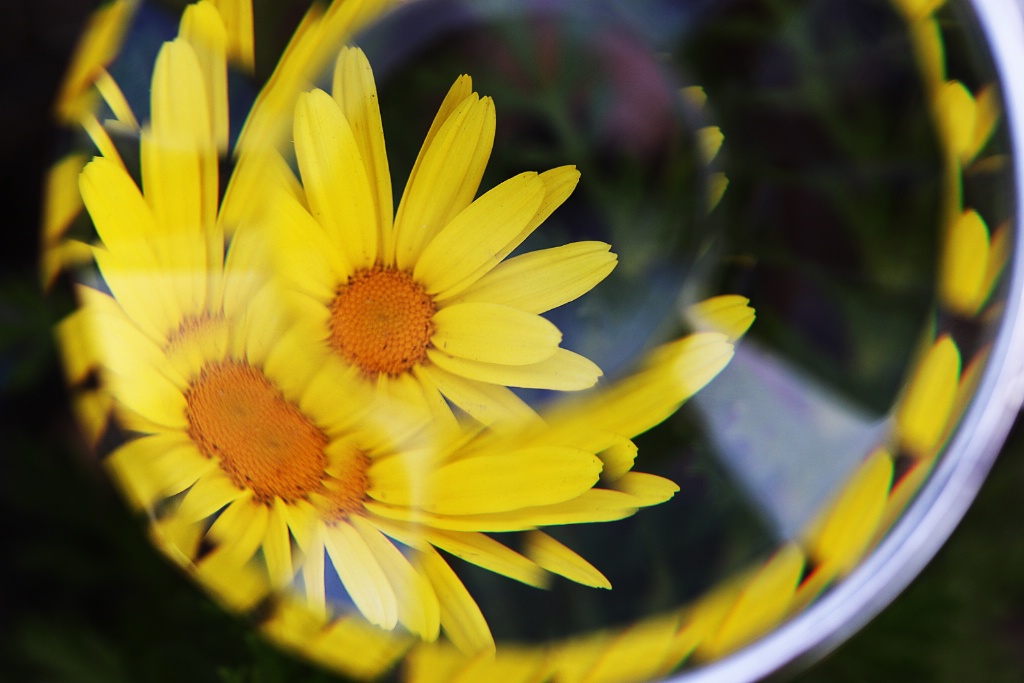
(413, 391)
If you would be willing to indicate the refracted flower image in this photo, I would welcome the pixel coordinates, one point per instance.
(425, 302)
(421, 334)
(287, 394)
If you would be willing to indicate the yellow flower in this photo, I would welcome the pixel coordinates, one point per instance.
(264, 466)
(424, 302)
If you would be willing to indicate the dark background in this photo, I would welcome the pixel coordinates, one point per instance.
(84, 598)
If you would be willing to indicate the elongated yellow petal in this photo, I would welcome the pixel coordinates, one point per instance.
(150, 395)
(646, 489)
(418, 608)
(964, 262)
(489, 404)
(594, 505)
(362, 575)
(541, 280)
(356, 93)
(839, 537)
(956, 114)
(729, 314)
(127, 353)
(179, 173)
(460, 616)
(495, 483)
(446, 179)
(151, 468)
(300, 250)
(207, 496)
(238, 23)
(203, 28)
(927, 402)
(491, 333)
(100, 42)
(63, 201)
(709, 140)
(559, 559)
(335, 177)
(563, 371)
(635, 404)
(479, 237)
(559, 183)
(761, 604)
(618, 459)
(277, 547)
(488, 553)
(461, 89)
(239, 530)
(988, 114)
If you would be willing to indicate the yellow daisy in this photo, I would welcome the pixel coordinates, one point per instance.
(423, 301)
(265, 466)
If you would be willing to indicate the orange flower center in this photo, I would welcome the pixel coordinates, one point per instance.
(382, 321)
(264, 443)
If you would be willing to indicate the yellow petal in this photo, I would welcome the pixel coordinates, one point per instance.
(633, 405)
(362, 575)
(838, 539)
(718, 182)
(446, 178)
(98, 46)
(956, 114)
(154, 467)
(541, 280)
(238, 22)
(709, 140)
(207, 496)
(637, 653)
(301, 251)
(150, 395)
(479, 237)
(964, 262)
(729, 314)
(277, 547)
(926, 37)
(488, 553)
(927, 402)
(564, 371)
(558, 559)
(203, 28)
(481, 485)
(618, 459)
(334, 175)
(418, 608)
(761, 604)
(179, 154)
(63, 201)
(239, 530)
(356, 93)
(460, 616)
(988, 114)
(489, 404)
(491, 333)
(999, 252)
(647, 489)
(594, 505)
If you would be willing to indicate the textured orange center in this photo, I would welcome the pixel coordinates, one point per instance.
(382, 321)
(263, 442)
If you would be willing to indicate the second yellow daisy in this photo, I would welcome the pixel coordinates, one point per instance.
(424, 301)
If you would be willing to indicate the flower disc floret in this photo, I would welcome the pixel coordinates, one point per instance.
(382, 321)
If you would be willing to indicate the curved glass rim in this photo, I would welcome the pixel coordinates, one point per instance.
(944, 498)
